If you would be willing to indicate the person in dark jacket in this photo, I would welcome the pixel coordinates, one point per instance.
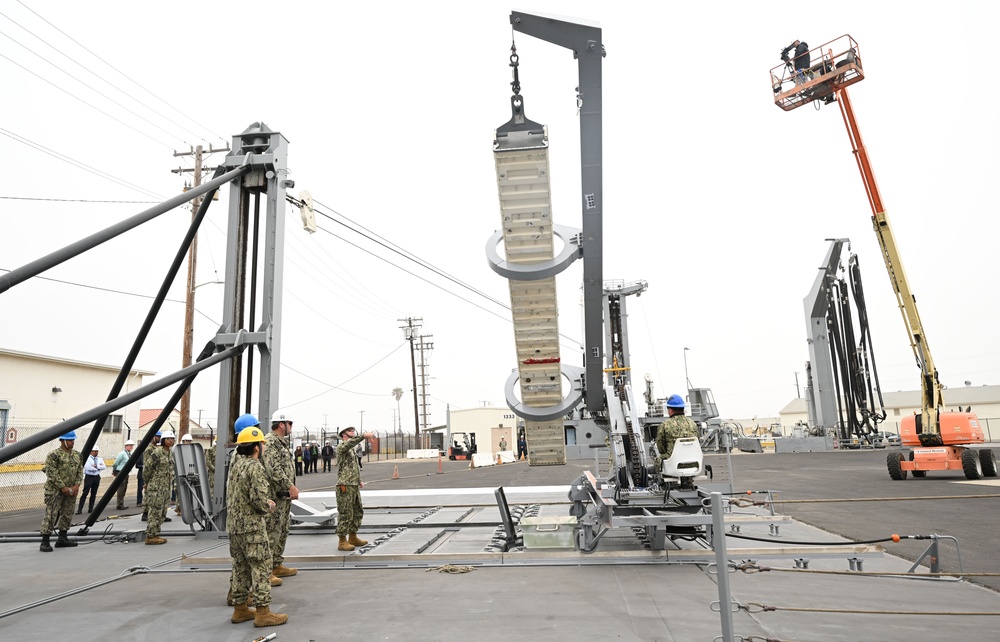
(799, 61)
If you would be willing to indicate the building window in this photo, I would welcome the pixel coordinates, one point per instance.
(895, 412)
(113, 424)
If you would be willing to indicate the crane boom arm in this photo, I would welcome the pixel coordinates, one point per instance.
(932, 396)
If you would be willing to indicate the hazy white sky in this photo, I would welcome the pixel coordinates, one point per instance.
(716, 197)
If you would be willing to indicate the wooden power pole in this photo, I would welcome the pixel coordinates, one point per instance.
(192, 274)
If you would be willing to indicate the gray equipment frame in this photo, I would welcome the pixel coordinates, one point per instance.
(267, 153)
(587, 47)
(821, 391)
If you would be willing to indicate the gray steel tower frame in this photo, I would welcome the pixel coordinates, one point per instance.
(585, 43)
(821, 391)
(250, 276)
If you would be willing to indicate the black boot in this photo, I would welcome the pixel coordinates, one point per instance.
(79, 510)
(63, 541)
(45, 547)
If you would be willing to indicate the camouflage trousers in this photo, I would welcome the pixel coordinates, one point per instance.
(349, 510)
(251, 574)
(58, 512)
(156, 509)
(277, 528)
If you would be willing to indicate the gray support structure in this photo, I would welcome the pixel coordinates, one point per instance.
(253, 279)
(585, 43)
(821, 393)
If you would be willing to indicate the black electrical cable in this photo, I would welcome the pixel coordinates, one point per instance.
(797, 543)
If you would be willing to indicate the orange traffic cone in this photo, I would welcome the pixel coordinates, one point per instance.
(395, 471)
(498, 459)
(440, 470)
(472, 463)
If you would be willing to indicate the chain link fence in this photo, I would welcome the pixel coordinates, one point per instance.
(22, 479)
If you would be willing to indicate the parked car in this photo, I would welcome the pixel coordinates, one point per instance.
(885, 439)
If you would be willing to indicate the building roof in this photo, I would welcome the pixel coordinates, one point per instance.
(962, 396)
(149, 415)
(72, 362)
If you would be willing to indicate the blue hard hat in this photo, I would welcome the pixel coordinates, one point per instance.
(159, 434)
(245, 421)
(71, 435)
(675, 401)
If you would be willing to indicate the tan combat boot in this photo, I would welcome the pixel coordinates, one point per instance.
(344, 545)
(276, 581)
(264, 617)
(155, 540)
(242, 614)
(283, 571)
(354, 540)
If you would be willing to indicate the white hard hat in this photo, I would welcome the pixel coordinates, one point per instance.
(96, 448)
(281, 415)
(168, 434)
(187, 437)
(129, 443)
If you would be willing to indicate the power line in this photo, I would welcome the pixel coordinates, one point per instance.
(95, 108)
(71, 200)
(93, 89)
(124, 75)
(78, 164)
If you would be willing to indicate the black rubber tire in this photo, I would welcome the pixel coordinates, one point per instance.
(892, 462)
(988, 462)
(917, 473)
(971, 465)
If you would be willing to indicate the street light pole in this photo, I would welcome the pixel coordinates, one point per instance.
(686, 379)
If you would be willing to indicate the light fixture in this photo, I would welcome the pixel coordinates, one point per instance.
(56, 389)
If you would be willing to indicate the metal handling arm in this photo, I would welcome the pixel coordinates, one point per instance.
(931, 389)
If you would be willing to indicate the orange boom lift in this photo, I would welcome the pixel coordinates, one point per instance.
(939, 440)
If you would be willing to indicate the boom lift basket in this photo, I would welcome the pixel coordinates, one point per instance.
(833, 65)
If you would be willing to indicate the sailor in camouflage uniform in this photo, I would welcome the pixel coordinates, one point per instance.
(248, 502)
(280, 469)
(158, 474)
(676, 426)
(349, 508)
(63, 475)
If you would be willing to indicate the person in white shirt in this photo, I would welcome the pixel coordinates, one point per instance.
(91, 478)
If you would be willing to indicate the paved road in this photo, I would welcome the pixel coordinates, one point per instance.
(970, 512)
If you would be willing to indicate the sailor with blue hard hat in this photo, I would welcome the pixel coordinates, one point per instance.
(245, 421)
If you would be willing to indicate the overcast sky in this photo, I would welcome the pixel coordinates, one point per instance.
(717, 198)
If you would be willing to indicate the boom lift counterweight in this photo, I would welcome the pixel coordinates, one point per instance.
(939, 439)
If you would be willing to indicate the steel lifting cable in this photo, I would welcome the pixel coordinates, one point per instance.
(751, 569)
(757, 607)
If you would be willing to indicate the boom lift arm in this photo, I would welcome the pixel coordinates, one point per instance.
(941, 440)
(932, 397)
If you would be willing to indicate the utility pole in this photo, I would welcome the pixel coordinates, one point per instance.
(185, 409)
(410, 333)
(362, 428)
(425, 344)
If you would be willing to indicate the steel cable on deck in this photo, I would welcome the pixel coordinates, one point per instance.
(750, 569)
(757, 607)
(743, 503)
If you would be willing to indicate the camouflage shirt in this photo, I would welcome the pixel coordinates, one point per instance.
(247, 495)
(278, 464)
(348, 472)
(158, 472)
(62, 468)
(671, 430)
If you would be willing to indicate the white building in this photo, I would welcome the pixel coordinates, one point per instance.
(488, 425)
(983, 400)
(37, 392)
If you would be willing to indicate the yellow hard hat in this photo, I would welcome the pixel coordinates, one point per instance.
(250, 435)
